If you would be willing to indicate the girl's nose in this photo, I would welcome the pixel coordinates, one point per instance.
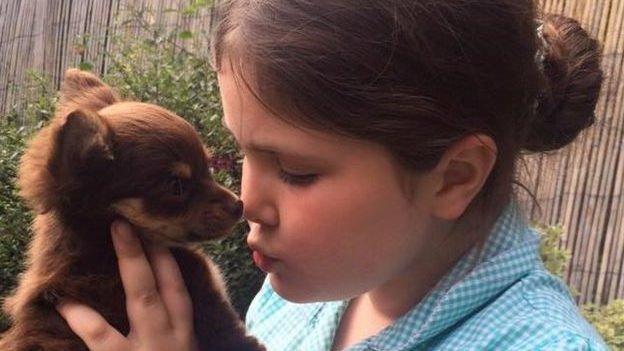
(258, 198)
(258, 211)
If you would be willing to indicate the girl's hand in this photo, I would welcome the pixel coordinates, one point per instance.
(158, 305)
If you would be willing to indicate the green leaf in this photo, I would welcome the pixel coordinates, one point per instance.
(186, 34)
(85, 66)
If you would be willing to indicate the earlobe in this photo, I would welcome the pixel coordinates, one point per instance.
(463, 169)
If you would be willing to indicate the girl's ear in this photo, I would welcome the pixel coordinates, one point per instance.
(463, 169)
(81, 89)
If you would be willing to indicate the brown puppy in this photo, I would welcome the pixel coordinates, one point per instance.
(100, 159)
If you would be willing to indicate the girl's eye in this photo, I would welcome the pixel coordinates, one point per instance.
(296, 179)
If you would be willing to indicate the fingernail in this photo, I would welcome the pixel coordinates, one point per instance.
(122, 230)
(60, 306)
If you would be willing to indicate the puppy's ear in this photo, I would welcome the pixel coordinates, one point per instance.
(83, 145)
(82, 157)
(81, 89)
(65, 158)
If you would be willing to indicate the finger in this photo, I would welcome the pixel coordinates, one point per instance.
(171, 286)
(146, 312)
(92, 328)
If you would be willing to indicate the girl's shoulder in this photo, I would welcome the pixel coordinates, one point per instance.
(536, 313)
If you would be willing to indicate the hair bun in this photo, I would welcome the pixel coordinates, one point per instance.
(571, 84)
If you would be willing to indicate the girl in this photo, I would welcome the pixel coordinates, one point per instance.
(380, 141)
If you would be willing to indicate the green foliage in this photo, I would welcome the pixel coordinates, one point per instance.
(609, 321)
(14, 217)
(37, 108)
(196, 5)
(38, 104)
(555, 258)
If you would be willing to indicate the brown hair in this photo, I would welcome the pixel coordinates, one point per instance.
(416, 76)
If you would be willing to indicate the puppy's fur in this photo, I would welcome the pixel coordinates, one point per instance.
(100, 159)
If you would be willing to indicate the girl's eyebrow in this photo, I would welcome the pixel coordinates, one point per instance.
(271, 149)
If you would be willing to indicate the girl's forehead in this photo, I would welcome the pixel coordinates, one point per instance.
(257, 130)
(251, 123)
(268, 134)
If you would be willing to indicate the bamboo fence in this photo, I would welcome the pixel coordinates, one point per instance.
(579, 187)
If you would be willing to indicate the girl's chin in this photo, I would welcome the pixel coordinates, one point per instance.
(298, 293)
(288, 291)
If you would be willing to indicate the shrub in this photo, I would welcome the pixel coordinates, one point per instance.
(15, 127)
(555, 258)
(14, 218)
(609, 319)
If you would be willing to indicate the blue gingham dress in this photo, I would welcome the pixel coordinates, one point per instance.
(508, 301)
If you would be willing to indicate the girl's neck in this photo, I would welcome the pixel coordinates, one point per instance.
(369, 313)
(405, 290)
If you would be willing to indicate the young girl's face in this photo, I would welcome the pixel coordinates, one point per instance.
(328, 217)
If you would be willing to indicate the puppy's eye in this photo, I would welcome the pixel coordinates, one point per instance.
(177, 186)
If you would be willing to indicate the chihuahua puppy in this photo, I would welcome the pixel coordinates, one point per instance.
(98, 160)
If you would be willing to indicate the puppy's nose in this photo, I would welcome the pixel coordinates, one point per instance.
(235, 209)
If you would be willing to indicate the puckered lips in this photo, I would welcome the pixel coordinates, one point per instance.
(264, 262)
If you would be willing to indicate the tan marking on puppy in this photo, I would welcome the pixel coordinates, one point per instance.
(182, 170)
(158, 229)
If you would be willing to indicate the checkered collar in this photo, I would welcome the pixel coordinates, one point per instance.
(509, 253)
